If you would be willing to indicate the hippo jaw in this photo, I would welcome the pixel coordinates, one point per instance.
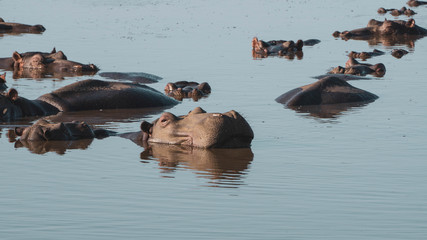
(201, 129)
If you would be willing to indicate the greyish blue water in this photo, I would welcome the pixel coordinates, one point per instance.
(359, 175)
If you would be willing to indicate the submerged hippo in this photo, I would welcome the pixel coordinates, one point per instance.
(199, 129)
(399, 53)
(3, 82)
(328, 90)
(416, 3)
(262, 49)
(84, 95)
(354, 67)
(8, 63)
(183, 89)
(137, 77)
(366, 55)
(15, 28)
(397, 12)
(386, 28)
(43, 130)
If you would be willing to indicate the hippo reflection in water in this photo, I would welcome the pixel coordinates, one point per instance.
(83, 95)
(326, 97)
(17, 28)
(199, 129)
(223, 166)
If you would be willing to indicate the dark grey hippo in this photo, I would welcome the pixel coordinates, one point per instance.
(16, 28)
(354, 67)
(328, 90)
(3, 85)
(83, 95)
(366, 55)
(288, 49)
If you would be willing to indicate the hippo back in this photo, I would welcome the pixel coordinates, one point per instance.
(96, 94)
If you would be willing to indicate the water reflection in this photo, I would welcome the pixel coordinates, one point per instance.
(327, 111)
(223, 167)
(39, 74)
(42, 147)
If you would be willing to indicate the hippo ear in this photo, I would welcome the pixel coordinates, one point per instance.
(410, 23)
(12, 94)
(53, 50)
(146, 127)
(16, 57)
(197, 110)
(19, 131)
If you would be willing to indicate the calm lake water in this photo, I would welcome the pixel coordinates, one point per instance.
(358, 175)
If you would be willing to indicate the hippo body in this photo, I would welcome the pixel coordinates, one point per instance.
(199, 129)
(83, 95)
(328, 90)
(183, 89)
(137, 77)
(16, 28)
(8, 63)
(388, 28)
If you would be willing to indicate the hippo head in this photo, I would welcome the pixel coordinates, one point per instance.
(34, 61)
(8, 109)
(200, 129)
(42, 130)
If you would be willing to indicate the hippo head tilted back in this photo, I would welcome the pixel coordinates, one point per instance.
(200, 129)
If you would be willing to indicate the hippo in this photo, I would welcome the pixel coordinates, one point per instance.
(353, 67)
(184, 89)
(262, 49)
(16, 28)
(3, 85)
(328, 90)
(386, 28)
(89, 94)
(396, 12)
(415, 3)
(9, 64)
(42, 130)
(399, 53)
(50, 64)
(198, 129)
(366, 55)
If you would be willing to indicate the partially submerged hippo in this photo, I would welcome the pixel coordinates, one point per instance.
(43, 130)
(3, 82)
(328, 90)
(386, 28)
(354, 67)
(83, 95)
(8, 63)
(15, 28)
(415, 3)
(397, 12)
(366, 55)
(262, 49)
(399, 53)
(183, 89)
(199, 129)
